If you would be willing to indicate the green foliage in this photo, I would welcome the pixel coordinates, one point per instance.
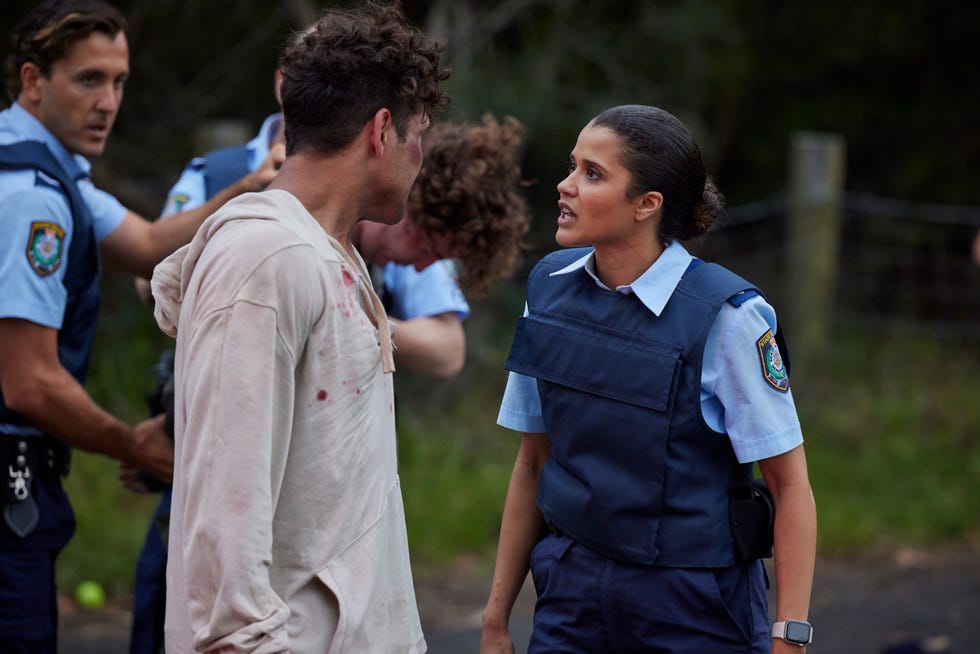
(892, 444)
(111, 525)
(454, 468)
(455, 462)
(111, 522)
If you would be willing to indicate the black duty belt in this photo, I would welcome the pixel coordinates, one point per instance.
(41, 454)
(21, 459)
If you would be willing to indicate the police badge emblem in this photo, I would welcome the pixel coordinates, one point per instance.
(44, 247)
(772, 362)
(175, 203)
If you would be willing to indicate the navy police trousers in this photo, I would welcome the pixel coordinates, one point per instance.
(28, 597)
(588, 603)
(150, 587)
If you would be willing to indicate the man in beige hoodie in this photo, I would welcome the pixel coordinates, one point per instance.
(287, 531)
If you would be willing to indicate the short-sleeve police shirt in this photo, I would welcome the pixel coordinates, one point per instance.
(37, 224)
(190, 192)
(736, 397)
(428, 292)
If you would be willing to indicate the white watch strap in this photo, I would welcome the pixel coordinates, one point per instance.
(779, 631)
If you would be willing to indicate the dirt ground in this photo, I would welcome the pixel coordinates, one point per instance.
(903, 602)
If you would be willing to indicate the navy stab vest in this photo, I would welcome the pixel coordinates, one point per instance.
(634, 473)
(223, 167)
(81, 278)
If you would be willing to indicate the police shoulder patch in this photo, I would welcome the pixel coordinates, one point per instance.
(45, 246)
(773, 369)
(175, 203)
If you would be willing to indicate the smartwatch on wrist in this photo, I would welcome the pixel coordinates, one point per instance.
(796, 632)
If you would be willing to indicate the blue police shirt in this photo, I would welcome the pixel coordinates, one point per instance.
(32, 209)
(736, 398)
(189, 191)
(430, 292)
(413, 294)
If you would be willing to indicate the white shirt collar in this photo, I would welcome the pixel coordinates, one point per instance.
(655, 286)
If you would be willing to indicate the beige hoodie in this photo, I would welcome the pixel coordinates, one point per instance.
(287, 528)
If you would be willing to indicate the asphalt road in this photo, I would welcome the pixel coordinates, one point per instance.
(903, 602)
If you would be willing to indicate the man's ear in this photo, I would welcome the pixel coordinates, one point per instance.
(277, 86)
(648, 205)
(380, 126)
(30, 83)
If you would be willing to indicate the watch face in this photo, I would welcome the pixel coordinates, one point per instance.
(797, 632)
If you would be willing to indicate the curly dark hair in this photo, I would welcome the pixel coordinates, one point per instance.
(661, 155)
(468, 189)
(44, 34)
(338, 73)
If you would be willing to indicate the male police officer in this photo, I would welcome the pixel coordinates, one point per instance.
(66, 70)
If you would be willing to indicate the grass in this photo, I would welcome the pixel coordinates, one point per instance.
(892, 442)
(891, 423)
(112, 522)
(454, 466)
(111, 525)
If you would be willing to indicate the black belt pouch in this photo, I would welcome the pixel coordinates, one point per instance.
(752, 515)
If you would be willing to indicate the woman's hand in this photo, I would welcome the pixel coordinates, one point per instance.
(495, 639)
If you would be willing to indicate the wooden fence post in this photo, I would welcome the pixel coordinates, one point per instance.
(816, 183)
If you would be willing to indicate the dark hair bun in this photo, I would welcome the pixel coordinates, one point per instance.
(707, 212)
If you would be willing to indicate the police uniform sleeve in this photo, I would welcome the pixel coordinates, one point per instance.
(520, 408)
(417, 294)
(189, 191)
(744, 378)
(34, 255)
(107, 212)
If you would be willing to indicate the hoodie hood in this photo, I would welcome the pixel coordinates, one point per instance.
(173, 276)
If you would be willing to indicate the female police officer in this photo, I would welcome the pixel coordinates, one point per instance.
(646, 383)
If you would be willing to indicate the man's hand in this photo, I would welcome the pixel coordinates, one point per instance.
(267, 170)
(131, 479)
(151, 450)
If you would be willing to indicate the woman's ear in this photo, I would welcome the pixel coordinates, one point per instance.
(648, 205)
